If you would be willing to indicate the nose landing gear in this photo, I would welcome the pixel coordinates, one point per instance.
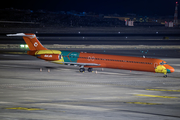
(165, 75)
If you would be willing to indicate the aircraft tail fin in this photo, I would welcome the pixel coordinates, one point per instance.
(31, 40)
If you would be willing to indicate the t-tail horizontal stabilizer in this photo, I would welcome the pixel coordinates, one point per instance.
(30, 40)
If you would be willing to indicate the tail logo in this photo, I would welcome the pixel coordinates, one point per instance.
(35, 44)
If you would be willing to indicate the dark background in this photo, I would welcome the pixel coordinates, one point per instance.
(138, 7)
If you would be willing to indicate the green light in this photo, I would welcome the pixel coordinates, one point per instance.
(26, 46)
(22, 46)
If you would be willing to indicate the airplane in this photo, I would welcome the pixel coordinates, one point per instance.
(92, 60)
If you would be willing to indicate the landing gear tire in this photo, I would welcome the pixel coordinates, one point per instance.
(165, 76)
(81, 70)
(90, 69)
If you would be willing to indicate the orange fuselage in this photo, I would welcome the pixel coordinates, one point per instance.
(120, 62)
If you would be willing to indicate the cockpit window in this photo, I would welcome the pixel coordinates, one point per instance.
(163, 63)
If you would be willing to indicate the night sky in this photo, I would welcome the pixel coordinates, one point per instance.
(122, 7)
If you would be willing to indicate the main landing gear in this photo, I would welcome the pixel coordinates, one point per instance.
(90, 69)
(82, 69)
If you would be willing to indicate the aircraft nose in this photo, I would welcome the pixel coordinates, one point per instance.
(172, 70)
(169, 69)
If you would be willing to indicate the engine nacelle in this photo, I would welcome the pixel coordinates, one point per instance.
(49, 57)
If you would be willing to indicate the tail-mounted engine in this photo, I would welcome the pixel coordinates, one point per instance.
(49, 55)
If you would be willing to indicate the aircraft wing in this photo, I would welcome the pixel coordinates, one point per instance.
(78, 64)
